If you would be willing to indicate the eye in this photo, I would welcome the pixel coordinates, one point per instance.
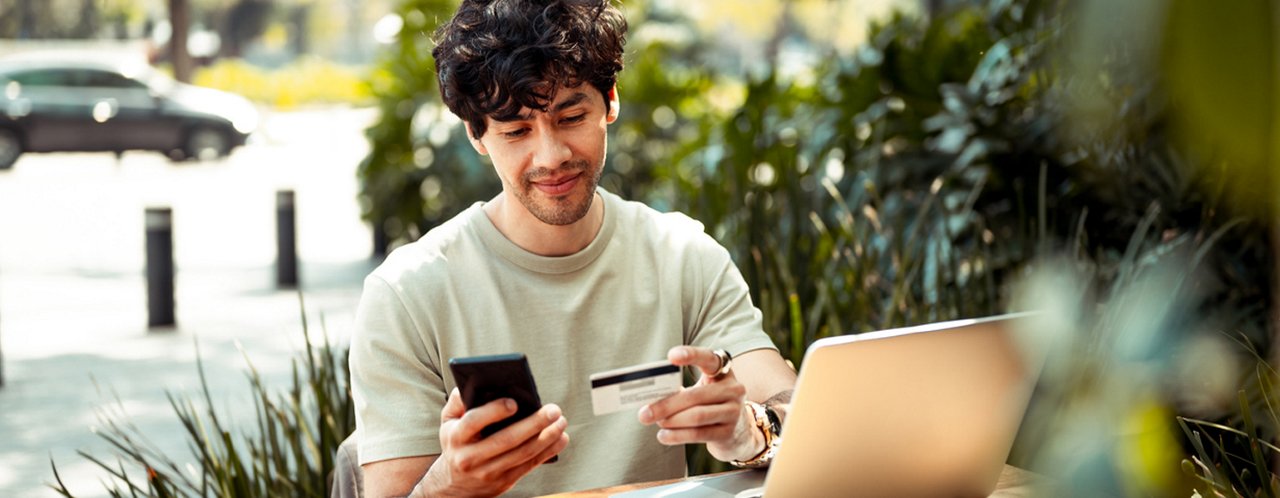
(515, 133)
(574, 119)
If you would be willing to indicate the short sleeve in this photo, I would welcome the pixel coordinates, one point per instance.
(726, 317)
(397, 387)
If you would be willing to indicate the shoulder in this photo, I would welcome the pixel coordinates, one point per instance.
(430, 255)
(675, 232)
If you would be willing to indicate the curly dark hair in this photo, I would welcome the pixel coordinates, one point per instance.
(496, 57)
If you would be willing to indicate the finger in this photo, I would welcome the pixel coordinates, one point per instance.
(553, 450)
(453, 408)
(476, 419)
(511, 437)
(672, 437)
(702, 416)
(703, 359)
(706, 394)
(526, 451)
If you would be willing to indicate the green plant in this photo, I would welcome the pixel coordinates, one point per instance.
(914, 179)
(420, 170)
(288, 453)
(1216, 462)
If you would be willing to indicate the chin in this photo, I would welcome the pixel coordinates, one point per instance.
(564, 209)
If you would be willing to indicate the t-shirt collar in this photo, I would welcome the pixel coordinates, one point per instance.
(499, 243)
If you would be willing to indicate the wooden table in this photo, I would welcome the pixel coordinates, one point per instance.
(1014, 483)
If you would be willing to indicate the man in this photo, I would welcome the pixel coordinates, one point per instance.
(573, 276)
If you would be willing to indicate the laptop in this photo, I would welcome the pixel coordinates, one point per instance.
(930, 410)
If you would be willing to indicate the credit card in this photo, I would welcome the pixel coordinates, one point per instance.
(633, 387)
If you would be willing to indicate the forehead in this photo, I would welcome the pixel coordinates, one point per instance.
(564, 97)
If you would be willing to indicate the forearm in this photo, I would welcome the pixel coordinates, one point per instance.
(430, 485)
(401, 477)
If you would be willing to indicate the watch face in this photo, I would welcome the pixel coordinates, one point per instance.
(774, 423)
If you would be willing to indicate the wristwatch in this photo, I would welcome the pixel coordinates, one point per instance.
(766, 421)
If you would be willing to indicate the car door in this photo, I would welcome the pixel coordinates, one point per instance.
(52, 111)
(127, 113)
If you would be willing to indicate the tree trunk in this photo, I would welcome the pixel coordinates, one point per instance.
(180, 19)
(299, 36)
(26, 20)
(90, 20)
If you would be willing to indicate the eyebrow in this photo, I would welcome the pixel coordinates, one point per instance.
(573, 100)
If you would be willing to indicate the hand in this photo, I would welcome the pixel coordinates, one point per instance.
(471, 466)
(713, 411)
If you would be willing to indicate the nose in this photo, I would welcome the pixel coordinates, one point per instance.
(551, 151)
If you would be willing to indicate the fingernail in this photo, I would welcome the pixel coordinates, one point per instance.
(553, 412)
(645, 415)
(510, 404)
(681, 354)
(662, 436)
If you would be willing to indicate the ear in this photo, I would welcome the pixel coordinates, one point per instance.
(614, 105)
(475, 142)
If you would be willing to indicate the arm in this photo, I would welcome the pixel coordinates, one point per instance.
(395, 477)
(469, 465)
(714, 411)
(768, 378)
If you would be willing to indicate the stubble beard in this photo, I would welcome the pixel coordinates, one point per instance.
(564, 209)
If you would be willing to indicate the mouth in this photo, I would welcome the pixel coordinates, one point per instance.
(558, 186)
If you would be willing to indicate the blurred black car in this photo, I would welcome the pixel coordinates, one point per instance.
(56, 104)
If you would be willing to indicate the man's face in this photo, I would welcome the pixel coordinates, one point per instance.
(551, 161)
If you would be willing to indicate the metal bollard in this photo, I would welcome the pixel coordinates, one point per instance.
(160, 267)
(286, 241)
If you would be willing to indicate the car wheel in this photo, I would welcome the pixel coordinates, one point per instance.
(205, 144)
(10, 148)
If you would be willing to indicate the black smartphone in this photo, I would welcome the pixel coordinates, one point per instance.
(482, 379)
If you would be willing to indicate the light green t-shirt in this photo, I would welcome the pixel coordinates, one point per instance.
(648, 281)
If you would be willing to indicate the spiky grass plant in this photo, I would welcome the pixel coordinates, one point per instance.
(1233, 458)
(289, 452)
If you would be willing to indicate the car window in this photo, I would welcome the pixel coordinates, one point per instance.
(105, 79)
(42, 77)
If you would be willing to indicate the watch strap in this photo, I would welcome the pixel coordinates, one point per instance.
(760, 416)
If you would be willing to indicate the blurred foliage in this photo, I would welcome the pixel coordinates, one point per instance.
(414, 146)
(289, 452)
(305, 82)
(916, 178)
(58, 19)
(994, 155)
(1221, 70)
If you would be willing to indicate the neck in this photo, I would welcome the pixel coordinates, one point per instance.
(531, 234)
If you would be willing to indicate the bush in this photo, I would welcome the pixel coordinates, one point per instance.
(306, 81)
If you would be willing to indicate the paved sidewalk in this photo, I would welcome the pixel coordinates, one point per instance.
(59, 379)
(73, 297)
